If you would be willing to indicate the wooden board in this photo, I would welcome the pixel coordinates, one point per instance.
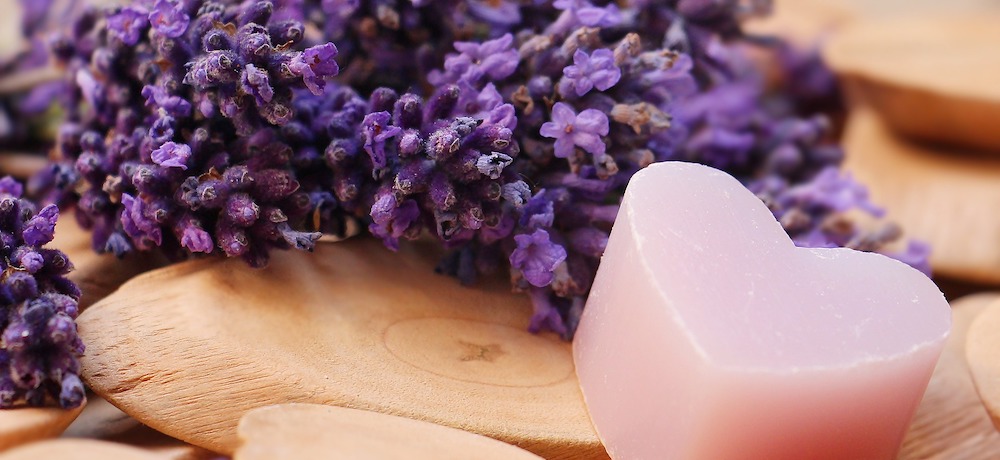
(948, 198)
(80, 449)
(189, 349)
(24, 425)
(316, 432)
(931, 77)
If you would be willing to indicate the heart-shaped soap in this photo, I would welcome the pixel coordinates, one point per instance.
(709, 335)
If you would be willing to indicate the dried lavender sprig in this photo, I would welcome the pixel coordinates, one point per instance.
(172, 138)
(39, 346)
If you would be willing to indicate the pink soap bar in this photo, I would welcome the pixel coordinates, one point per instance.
(709, 335)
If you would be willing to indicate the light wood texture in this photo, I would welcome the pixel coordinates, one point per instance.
(21, 165)
(932, 78)
(100, 420)
(316, 432)
(950, 423)
(97, 275)
(948, 198)
(983, 353)
(190, 348)
(24, 425)
(12, 41)
(80, 449)
(806, 22)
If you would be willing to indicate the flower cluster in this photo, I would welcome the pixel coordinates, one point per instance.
(40, 347)
(505, 129)
(173, 132)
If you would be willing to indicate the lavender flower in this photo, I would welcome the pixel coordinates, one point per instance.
(40, 348)
(597, 70)
(536, 256)
(178, 142)
(443, 115)
(571, 130)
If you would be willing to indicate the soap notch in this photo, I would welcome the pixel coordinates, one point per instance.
(709, 335)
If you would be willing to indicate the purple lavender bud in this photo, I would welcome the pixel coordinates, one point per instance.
(272, 185)
(257, 12)
(408, 111)
(391, 220)
(492, 165)
(288, 31)
(40, 229)
(536, 256)
(31, 261)
(314, 65)
(597, 70)
(382, 100)
(172, 155)
(516, 193)
(10, 186)
(376, 131)
(546, 314)
(162, 130)
(233, 240)
(255, 82)
(143, 231)
(71, 393)
(216, 40)
(571, 130)
(195, 239)
(60, 329)
(410, 143)
(20, 286)
(168, 18)
(128, 24)
(588, 241)
(241, 210)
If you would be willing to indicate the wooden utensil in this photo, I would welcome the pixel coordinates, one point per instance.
(931, 77)
(189, 349)
(316, 432)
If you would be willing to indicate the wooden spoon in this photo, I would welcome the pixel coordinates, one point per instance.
(950, 422)
(931, 77)
(189, 349)
(316, 432)
(29, 424)
(948, 198)
(80, 449)
(983, 352)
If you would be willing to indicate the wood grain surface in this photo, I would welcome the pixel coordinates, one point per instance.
(950, 423)
(316, 432)
(81, 449)
(948, 198)
(930, 77)
(25, 425)
(189, 349)
(983, 353)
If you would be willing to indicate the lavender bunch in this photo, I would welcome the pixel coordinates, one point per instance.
(600, 91)
(39, 346)
(507, 130)
(172, 135)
